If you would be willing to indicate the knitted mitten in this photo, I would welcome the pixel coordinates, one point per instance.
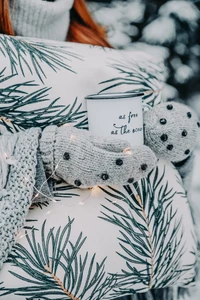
(84, 160)
(171, 130)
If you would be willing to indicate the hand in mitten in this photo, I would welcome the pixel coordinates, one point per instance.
(171, 130)
(84, 160)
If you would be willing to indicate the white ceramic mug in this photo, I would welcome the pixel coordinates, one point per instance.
(117, 115)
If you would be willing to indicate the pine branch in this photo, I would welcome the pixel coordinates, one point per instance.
(59, 282)
(1, 287)
(64, 190)
(39, 204)
(40, 261)
(150, 241)
(151, 237)
(31, 57)
(145, 78)
(15, 114)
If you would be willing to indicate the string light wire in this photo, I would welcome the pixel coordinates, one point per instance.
(7, 159)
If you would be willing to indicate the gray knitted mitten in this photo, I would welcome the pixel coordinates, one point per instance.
(171, 130)
(84, 160)
(43, 188)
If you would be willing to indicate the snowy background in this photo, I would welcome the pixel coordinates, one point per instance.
(166, 29)
(169, 30)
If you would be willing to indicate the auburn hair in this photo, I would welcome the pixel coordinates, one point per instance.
(82, 29)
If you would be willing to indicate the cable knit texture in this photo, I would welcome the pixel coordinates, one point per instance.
(41, 19)
(85, 160)
(19, 190)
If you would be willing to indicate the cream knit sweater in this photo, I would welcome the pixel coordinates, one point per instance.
(41, 18)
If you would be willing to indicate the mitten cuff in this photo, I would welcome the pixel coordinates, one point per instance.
(43, 188)
(46, 147)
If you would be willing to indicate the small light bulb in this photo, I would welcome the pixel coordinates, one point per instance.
(127, 151)
(72, 137)
(5, 155)
(19, 235)
(95, 189)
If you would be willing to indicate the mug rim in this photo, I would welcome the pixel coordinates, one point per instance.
(116, 95)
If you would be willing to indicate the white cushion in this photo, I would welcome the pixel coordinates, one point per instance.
(108, 241)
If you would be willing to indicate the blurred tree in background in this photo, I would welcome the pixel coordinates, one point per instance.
(166, 29)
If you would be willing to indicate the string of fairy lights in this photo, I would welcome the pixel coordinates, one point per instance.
(7, 160)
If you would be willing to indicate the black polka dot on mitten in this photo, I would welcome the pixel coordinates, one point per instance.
(66, 156)
(171, 130)
(77, 182)
(84, 160)
(184, 132)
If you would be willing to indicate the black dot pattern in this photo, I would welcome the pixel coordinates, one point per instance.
(184, 133)
(189, 115)
(66, 156)
(119, 162)
(187, 151)
(163, 121)
(104, 176)
(169, 106)
(143, 167)
(130, 180)
(77, 182)
(170, 147)
(164, 137)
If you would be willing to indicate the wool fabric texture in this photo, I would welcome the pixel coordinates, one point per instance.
(7, 144)
(15, 203)
(43, 186)
(171, 130)
(84, 160)
(41, 19)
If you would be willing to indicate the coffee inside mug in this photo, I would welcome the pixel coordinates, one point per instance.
(118, 115)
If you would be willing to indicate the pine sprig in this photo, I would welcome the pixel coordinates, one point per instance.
(63, 190)
(150, 234)
(15, 99)
(146, 79)
(1, 287)
(29, 56)
(84, 277)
